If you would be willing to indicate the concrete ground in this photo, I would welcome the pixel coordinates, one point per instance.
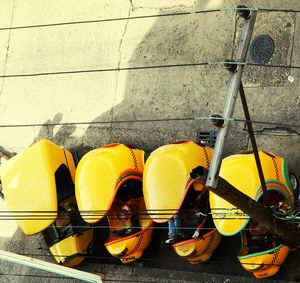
(57, 74)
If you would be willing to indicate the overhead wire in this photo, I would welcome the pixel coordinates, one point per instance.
(217, 213)
(134, 68)
(226, 9)
(196, 118)
(112, 19)
(279, 10)
(254, 64)
(157, 216)
(118, 69)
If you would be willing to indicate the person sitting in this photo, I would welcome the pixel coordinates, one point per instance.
(129, 221)
(196, 219)
(174, 229)
(260, 238)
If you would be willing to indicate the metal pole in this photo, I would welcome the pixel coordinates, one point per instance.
(254, 145)
(50, 267)
(231, 97)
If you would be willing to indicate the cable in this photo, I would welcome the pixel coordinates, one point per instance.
(208, 118)
(272, 65)
(96, 122)
(262, 10)
(105, 70)
(279, 10)
(111, 19)
(234, 9)
(253, 64)
(145, 68)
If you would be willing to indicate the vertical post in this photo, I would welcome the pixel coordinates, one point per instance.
(232, 94)
(254, 145)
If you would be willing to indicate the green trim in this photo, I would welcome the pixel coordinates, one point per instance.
(286, 175)
(271, 189)
(282, 192)
(257, 197)
(272, 181)
(261, 253)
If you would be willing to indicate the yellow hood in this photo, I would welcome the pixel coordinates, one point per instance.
(241, 172)
(99, 174)
(29, 187)
(167, 177)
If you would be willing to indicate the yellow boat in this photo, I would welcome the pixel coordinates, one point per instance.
(260, 253)
(167, 186)
(107, 179)
(38, 186)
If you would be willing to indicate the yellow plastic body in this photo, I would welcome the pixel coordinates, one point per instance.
(69, 251)
(131, 247)
(99, 174)
(198, 250)
(263, 264)
(167, 176)
(29, 187)
(240, 171)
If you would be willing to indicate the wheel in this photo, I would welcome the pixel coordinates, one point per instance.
(294, 181)
(294, 184)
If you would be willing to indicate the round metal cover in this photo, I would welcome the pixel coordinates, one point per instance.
(262, 49)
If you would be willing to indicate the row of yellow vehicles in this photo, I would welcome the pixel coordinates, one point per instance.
(48, 193)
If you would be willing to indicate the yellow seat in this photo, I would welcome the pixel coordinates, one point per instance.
(241, 172)
(167, 176)
(70, 251)
(266, 263)
(260, 253)
(38, 183)
(166, 184)
(129, 248)
(101, 175)
(31, 175)
(199, 250)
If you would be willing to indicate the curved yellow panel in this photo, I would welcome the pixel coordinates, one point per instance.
(265, 264)
(69, 251)
(198, 250)
(28, 181)
(167, 176)
(98, 175)
(130, 248)
(241, 172)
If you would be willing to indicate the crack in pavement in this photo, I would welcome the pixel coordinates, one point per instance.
(7, 49)
(119, 61)
(278, 130)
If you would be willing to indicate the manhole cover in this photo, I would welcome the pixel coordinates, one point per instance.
(262, 49)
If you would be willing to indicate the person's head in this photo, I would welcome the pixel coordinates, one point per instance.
(125, 213)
